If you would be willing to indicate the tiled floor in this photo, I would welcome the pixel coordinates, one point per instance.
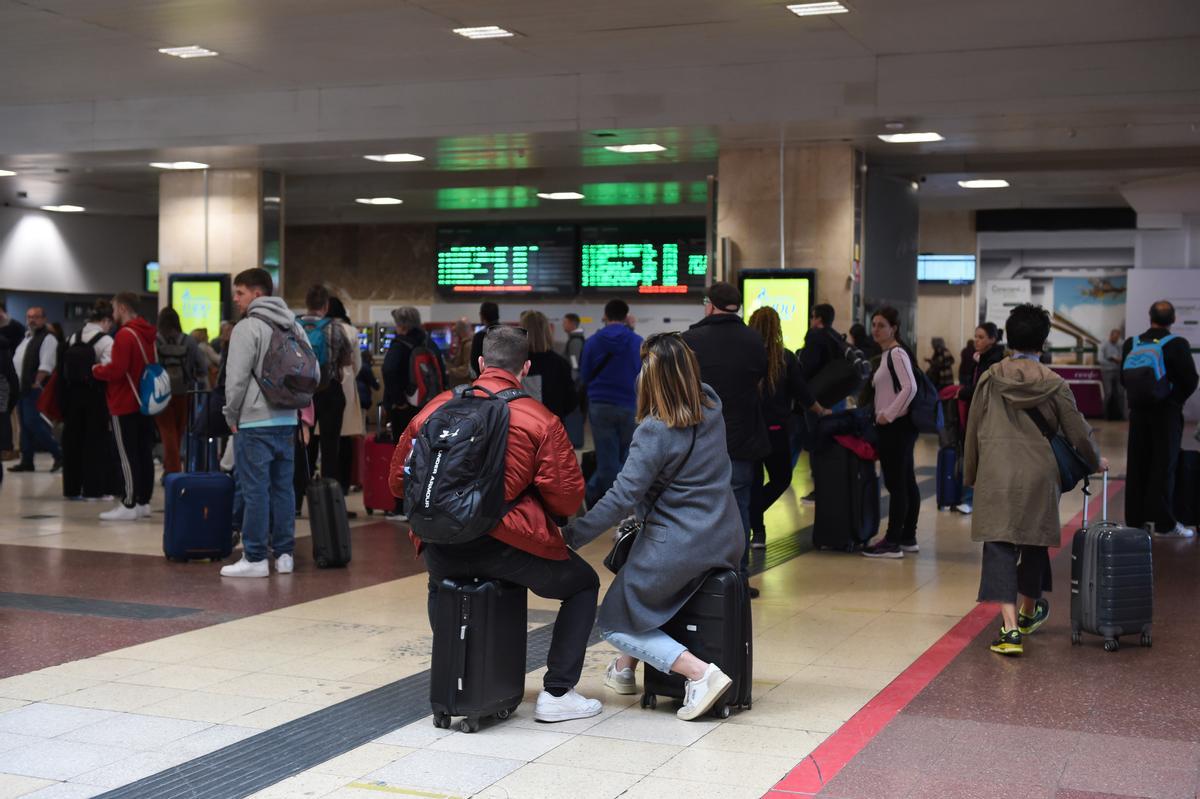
(830, 632)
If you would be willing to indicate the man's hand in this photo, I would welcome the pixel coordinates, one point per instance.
(1104, 464)
(233, 429)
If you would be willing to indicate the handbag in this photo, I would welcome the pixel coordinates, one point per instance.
(49, 403)
(1071, 466)
(627, 533)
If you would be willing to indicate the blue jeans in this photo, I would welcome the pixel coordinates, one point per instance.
(612, 430)
(35, 433)
(653, 647)
(264, 461)
(742, 483)
(573, 422)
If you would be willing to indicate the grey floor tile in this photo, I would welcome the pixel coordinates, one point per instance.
(135, 731)
(47, 720)
(444, 772)
(58, 760)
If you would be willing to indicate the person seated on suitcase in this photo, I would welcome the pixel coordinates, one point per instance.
(264, 435)
(543, 479)
(694, 527)
(1016, 476)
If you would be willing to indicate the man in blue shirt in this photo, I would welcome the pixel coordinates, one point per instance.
(609, 368)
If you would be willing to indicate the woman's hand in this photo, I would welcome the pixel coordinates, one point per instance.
(1104, 464)
(882, 418)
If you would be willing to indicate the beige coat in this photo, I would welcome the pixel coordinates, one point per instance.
(352, 417)
(1009, 461)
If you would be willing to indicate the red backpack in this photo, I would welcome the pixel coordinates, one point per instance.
(424, 374)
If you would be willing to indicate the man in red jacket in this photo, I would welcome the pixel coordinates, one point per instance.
(526, 548)
(132, 350)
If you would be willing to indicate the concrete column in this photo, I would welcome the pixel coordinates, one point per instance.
(1168, 220)
(811, 222)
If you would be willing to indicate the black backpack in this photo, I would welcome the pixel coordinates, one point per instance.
(454, 476)
(78, 359)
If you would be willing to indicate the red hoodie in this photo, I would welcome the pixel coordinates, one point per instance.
(124, 371)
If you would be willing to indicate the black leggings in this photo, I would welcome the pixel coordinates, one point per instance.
(896, 443)
(778, 467)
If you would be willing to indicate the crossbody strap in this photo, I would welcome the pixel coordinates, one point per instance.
(667, 484)
(892, 369)
(1042, 424)
(145, 360)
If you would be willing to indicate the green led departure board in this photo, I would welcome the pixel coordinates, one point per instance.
(502, 259)
(654, 257)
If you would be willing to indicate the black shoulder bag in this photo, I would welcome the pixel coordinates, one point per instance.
(627, 533)
(1071, 466)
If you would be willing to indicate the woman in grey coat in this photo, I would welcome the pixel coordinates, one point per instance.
(678, 454)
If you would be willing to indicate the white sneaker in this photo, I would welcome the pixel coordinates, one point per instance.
(143, 511)
(245, 568)
(965, 508)
(120, 514)
(1179, 532)
(622, 681)
(700, 695)
(395, 517)
(284, 564)
(567, 707)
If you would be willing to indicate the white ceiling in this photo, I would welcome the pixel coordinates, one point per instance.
(1082, 94)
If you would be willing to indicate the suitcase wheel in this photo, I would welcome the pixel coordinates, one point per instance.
(1076, 638)
(469, 725)
(1147, 640)
(322, 563)
(1111, 645)
(507, 712)
(721, 712)
(650, 701)
(441, 721)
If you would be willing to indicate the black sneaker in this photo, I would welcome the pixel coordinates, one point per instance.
(884, 549)
(21, 467)
(57, 467)
(1009, 643)
(1030, 624)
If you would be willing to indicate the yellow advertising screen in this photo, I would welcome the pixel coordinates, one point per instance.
(198, 303)
(789, 294)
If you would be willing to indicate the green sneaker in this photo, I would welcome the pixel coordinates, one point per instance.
(1030, 624)
(1009, 643)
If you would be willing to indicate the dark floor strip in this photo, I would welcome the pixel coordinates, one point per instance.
(77, 606)
(256, 763)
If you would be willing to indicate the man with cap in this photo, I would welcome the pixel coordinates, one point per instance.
(733, 360)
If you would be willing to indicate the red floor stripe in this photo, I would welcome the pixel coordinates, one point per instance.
(823, 764)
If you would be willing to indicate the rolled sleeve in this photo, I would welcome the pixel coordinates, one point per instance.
(48, 356)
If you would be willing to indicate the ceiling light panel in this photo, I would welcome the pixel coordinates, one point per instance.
(817, 9)
(984, 183)
(178, 165)
(635, 148)
(5, 173)
(379, 201)
(395, 158)
(485, 32)
(63, 209)
(190, 51)
(560, 195)
(911, 138)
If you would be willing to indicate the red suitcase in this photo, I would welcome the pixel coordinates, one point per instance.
(377, 460)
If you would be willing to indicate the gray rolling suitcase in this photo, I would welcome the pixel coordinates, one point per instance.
(1112, 580)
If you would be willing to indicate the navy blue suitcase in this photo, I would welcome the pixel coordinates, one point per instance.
(199, 516)
(949, 479)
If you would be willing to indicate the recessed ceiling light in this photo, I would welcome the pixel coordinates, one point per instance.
(379, 201)
(484, 32)
(560, 195)
(63, 209)
(178, 165)
(817, 9)
(395, 158)
(190, 51)
(635, 148)
(910, 138)
(4, 173)
(986, 183)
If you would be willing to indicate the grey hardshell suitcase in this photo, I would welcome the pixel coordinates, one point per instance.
(1112, 580)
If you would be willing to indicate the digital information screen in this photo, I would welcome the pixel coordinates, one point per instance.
(366, 337)
(500, 259)
(789, 292)
(660, 257)
(200, 301)
(946, 268)
(152, 274)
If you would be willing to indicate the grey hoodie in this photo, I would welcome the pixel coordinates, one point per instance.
(244, 400)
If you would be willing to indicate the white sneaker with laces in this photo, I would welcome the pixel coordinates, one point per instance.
(568, 707)
(964, 508)
(1179, 532)
(245, 568)
(284, 564)
(119, 514)
(622, 681)
(700, 695)
(143, 511)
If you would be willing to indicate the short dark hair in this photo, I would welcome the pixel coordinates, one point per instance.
(1027, 328)
(991, 330)
(255, 279)
(1162, 314)
(824, 312)
(574, 317)
(616, 310)
(128, 299)
(505, 348)
(723, 297)
(489, 312)
(316, 298)
(101, 310)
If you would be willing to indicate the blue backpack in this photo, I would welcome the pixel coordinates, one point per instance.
(925, 410)
(1144, 372)
(318, 334)
(154, 388)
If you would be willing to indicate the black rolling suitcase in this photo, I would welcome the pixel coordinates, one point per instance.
(479, 636)
(1112, 581)
(329, 523)
(715, 625)
(847, 500)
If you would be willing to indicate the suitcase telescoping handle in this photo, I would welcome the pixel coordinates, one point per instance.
(1087, 494)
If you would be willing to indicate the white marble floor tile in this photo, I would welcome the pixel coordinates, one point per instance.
(544, 781)
(502, 740)
(135, 731)
(443, 772)
(46, 720)
(58, 760)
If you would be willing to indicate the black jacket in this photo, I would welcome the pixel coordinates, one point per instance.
(395, 366)
(990, 357)
(822, 345)
(791, 390)
(733, 360)
(1177, 357)
(551, 375)
(476, 352)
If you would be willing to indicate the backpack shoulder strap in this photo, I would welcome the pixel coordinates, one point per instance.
(510, 394)
(1162, 342)
(95, 338)
(892, 369)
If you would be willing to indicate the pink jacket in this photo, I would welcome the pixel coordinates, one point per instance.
(891, 404)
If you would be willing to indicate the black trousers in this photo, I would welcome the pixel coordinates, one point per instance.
(896, 443)
(330, 406)
(1009, 569)
(90, 466)
(573, 581)
(134, 436)
(1154, 440)
(778, 468)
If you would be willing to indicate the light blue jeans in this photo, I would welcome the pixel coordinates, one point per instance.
(653, 647)
(263, 469)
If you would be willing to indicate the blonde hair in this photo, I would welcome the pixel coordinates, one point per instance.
(669, 383)
(538, 327)
(765, 322)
